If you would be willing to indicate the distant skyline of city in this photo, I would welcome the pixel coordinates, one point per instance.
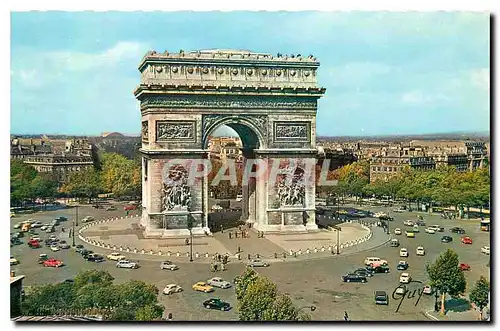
(385, 73)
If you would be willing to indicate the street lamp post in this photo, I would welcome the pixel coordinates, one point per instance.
(73, 233)
(338, 229)
(76, 208)
(190, 227)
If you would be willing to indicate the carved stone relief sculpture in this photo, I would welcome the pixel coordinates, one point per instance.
(291, 193)
(175, 130)
(291, 131)
(176, 194)
(144, 131)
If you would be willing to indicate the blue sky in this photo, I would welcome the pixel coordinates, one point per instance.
(385, 73)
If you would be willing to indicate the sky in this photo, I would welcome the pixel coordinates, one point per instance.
(384, 73)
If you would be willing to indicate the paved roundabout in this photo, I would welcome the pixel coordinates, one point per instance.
(312, 279)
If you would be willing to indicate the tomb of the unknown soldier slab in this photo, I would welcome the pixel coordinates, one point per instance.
(271, 102)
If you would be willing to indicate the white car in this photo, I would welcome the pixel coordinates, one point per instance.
(379, 214)
(401, 289)
(405, 278)
(430, 230)
(13, 261)
(64, 245)
(53, 237)
(219, 282)
(427, 289)
(257, 263)
(87, 219)
(374, 261)
(398, 231)
(37, 238)
(403, 252)
(485, 250)
(36, 224)
(17, 225)
(44, 228)
(127, 264)
(420, 251)
(172, 288)
(408, 223)
(54, 248)
(115, 257)
(168, 265)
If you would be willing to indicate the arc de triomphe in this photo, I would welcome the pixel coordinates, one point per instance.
(271, 102)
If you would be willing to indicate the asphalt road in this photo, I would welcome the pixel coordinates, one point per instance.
(312, 282)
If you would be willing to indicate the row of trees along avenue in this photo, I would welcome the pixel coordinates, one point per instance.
(113, 174)
(444, 186)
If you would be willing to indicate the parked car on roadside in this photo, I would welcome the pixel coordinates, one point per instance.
(485, 250)
(13, 260)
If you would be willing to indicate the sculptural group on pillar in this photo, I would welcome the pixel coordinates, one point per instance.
(292, 193)
(176, 194)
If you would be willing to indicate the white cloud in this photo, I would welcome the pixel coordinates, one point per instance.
(481, 78)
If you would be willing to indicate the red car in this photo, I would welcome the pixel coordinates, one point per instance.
(467, 240)
(129, 207)
(34, 244)
(53, 263)
(464, 266)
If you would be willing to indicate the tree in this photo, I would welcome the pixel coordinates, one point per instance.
(446, 276)
(21, 177)
(83, 184)
(248, 276)
(149, 313)
(259, 297)
(281, 309)
(119, 175)
(93, 292)
(480, 294)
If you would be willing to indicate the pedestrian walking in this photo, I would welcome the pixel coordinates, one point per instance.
(170, 317)
(346, 317)
(239, 249)
(229, 235)
(186, 241)
(221, 229)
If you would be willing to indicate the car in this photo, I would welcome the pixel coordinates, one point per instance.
(216, 303)
(410, 234)
(446, 239)
(51, 262)
(42, 257)
(464, 266)
(381, 269)
(53, 237)
(111, 208)
(64, 245)
(394, 243)
(374, 261)
(397, 231)
(427, 290)
(437, 228)
(363, 272)
(257, 263)
(467, 240)
(37, 238)
(87, 219)
(13, 260)
(403, 265)
(36, 224)
(430, 230)
(457, 230)
(203, 287)
(408, 223)
(386, 218)
(219, 282)
(79, 247)
(403, 252)
(379, 214)
(18, 225)
(420, 223)
(127, 264)
(172, 288)
(34, 244)
(416, 228)
(401, 289)
(485, 250)
(94, 258)
(353, 278)
(44, 228)
(54, 248)
(61, 219)
(168, 265)
(405, 278)
(15, 241)
(381, 298)
(420, 251)
(115, 257)
(85, 251)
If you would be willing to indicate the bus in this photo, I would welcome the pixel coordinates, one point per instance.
(485, 225)
(26, 226)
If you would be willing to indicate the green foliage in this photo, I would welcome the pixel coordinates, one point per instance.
(479, 293)
(149, 313)
(259, 300)
(85, 183)
(94, 292)
(120, 175)
(26, 184)
(445, 274)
